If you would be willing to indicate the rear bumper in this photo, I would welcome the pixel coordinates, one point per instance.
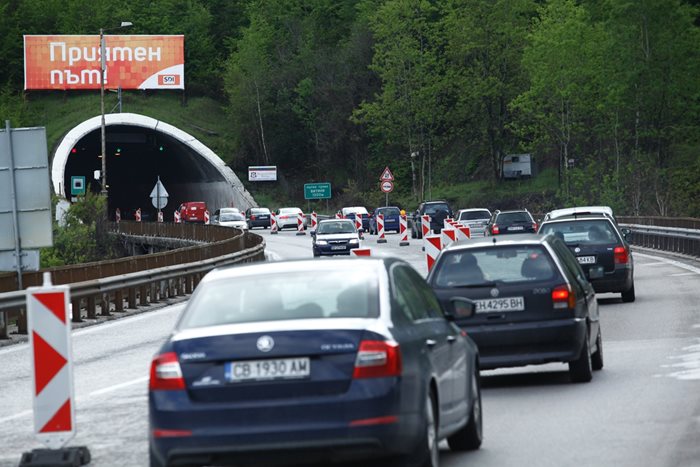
(519, 344)
(275, 431)
(259, 223)
(619, 280)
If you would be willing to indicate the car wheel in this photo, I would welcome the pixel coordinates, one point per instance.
(471, 436)
(581, 369)
(427, 450)
(628, 295)
(413, 233)
(597, 357)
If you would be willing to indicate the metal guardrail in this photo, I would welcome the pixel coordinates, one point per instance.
(671, 239)
(151, 278)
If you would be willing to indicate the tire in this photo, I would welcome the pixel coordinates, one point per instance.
(413, 233)
(581, 369)
(628, 295)
(471, 435)
(427, 451)
(597, 357)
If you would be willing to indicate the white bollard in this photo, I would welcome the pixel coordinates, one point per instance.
(403, 226)
(380, 229)
(433, 245)
(300, 224)
(273, 224)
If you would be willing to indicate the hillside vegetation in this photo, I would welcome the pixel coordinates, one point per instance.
(603, 92)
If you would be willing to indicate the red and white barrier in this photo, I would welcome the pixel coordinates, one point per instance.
(137, 215)
(117, 215)
(380, 229)
(361, 252)
(403, 230)
(160, 216)
(176, 217)
(425, 227)
(52, 363)
(463, 233)
(314, 220)
(448, 235)
(338, 215)
(206, 217)
(433, 245)
(300, 224)
(358, 221)
(273, 224)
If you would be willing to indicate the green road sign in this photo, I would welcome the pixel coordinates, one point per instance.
(77, 186)
(317, 191)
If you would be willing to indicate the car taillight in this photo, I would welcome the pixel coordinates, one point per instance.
(621, 255)
(252, 218)
(166, 374)
(534, 226)
(563, 297)
(377, 359)
(495, 230)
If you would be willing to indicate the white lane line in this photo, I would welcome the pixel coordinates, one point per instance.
(652, 264)
(682, 274)
(687, 267)
(115, 387)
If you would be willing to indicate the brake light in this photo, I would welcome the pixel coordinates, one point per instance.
(375, 421)
(166, 374)
(534, 226)
(495, 230)
(158, 433)
(621, 255)
(377, 359)
(252, 217)
(563, 297)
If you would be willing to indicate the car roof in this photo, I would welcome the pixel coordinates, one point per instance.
(582, 217)
(299, 265)
(473, 209)
(580, 210)
(515, 239)
(325, 221)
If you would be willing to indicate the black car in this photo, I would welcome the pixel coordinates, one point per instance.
(311, 362)
(601, 249)
(533, 302)
(438, 212)
(257, 217)
(335, 237)
(511, 222)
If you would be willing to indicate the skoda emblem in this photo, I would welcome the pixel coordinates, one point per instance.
(265, 343)
(577, 250)
(494, 293)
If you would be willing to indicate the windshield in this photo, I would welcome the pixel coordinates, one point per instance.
(231, 216)
(487, 266)
(587, 232)
(273, 297)
(337, 227)
(474, 215)
(433, 208)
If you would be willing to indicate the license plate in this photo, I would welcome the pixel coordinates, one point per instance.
(256, 370)
(586, 259)
(516, 227)
(338, 247)
(500, 304)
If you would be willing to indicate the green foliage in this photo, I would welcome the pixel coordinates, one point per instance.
(82, 236)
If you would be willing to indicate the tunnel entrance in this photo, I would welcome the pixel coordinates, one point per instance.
(139, 150)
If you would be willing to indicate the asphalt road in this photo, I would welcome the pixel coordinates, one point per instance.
(643, 408)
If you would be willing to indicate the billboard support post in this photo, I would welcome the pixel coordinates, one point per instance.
(15, 216)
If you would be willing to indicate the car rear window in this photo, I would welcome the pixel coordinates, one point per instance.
(474, 215)
(310, 294)
(433, 208)
(489, 266)
(389, 212)
(513, 217)
(583, 231)
(260, 211)
(231, 216)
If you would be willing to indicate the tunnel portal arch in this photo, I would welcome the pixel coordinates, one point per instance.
(196, 173)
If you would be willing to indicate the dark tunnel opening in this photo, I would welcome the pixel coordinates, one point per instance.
(136, 157)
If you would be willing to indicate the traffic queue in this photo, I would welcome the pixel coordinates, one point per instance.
(312, 362)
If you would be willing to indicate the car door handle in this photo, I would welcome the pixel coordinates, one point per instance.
(430, 343)
(451, 339)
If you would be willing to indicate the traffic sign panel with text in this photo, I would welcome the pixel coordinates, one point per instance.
(317, 191)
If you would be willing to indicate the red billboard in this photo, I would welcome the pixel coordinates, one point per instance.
(131, 62)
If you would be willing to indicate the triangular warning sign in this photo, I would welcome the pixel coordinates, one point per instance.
(47, 362)
(386, 175)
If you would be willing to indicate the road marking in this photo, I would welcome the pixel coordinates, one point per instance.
(15, 416)
(652, 264)
(687, 267)
(683, 274)
(108, 389)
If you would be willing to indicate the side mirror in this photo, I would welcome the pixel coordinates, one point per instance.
(312, 233)
(460, 307)
(626, 233)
